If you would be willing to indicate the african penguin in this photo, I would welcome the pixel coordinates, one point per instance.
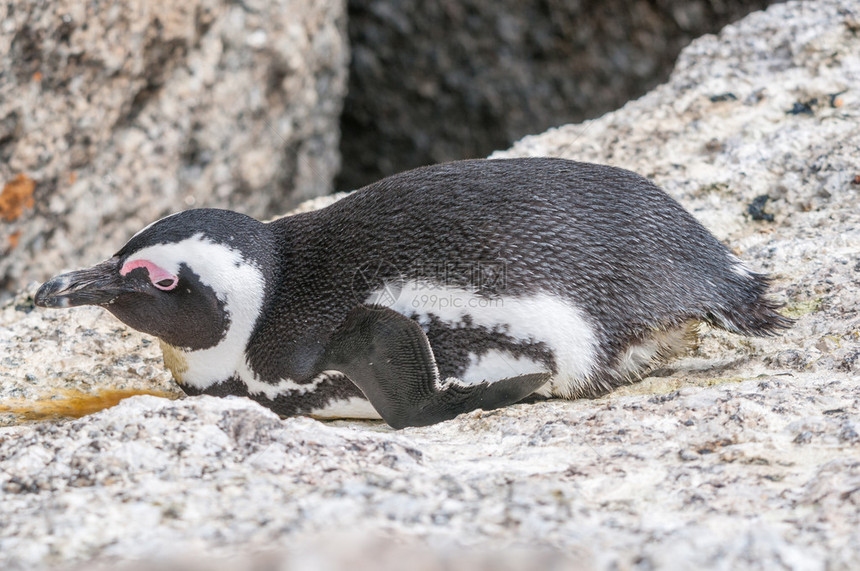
(430, 293)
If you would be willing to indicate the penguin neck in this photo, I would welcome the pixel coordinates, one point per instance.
(198, 371)
(174, 360)
(243, 284)
(281, 258)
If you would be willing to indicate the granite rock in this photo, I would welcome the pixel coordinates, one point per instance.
(743, 454)
(120, 112)
(739, 125)
(760, 472)
(451, 79)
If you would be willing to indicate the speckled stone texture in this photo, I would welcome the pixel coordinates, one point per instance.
(449, 79)
(121, 112)
(743, 454)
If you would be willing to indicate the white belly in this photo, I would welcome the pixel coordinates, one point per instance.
(354, 407)
(495, 365)
(538, 318)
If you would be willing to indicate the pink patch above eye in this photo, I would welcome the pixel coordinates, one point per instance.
(160, 278)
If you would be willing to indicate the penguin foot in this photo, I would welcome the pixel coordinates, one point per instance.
(388, 356)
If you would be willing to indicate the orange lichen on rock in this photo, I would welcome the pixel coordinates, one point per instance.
(14, 238)
(16, 196)
(71, 403)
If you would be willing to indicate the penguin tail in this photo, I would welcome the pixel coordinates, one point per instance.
(753, 313)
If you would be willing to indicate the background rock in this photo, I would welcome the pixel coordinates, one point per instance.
(738, 123)
(52, 366)
(743, 454)
(438, 81)
(121, 112)
(700, 478)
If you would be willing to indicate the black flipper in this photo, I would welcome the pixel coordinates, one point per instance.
(388, 356)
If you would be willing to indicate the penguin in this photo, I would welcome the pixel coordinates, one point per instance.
(431, 293)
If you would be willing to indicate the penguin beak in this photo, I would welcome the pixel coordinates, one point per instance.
(98, 285)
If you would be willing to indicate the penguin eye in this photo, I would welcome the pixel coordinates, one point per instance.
(166, 284)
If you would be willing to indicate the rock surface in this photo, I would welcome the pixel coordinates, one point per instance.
(745, 453)
(437, 81)
(55, 364)
(117, 113)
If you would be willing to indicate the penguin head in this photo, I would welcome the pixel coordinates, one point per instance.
(193, 279)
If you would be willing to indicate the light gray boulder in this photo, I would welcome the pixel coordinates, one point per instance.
(744, 454)
(119, 113)
(436, 81)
